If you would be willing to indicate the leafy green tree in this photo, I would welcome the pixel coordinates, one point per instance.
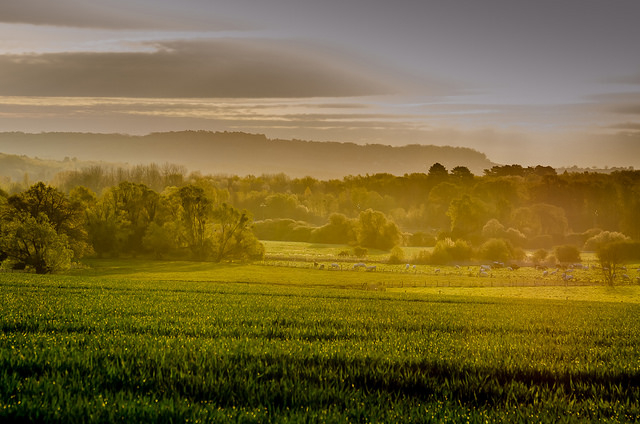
(604, 238)
(375, 231)
(438, 202)
(494, 229)
(135, 206)
(196, 210)
(438, 171)
(612, 256)
(397, 255)
(233, 238)
(161, 240)
(499, 250)
(280, 205)
(468, 215)
(107, 230)
(66, 217)
(339, 230)
(539, 256)
(567, 253)
(447, 251)
(462, 173)
(32, 241)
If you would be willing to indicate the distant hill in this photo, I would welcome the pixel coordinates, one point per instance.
(24, 169)
(242, 154)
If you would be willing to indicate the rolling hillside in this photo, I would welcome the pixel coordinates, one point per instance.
(241, 153)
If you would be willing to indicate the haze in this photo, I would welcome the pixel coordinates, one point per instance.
(544, 82)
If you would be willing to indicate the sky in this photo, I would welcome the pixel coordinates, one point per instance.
(551, 82)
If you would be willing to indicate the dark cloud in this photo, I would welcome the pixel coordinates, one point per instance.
(223, 68)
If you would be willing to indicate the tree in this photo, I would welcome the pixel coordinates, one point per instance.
(539, 256)
(339, 230)
(30, 241)
(438, 171)
(196, 211)
(446, 251)
(233, 238)
(64, 216)
(604, 238)
(567, 253)
(499, 250)
(375, 231)
(467, 215)
(462, 173)
(613, 255)
(397, 255)
(135, 206)
(106, 230)
(161, 239)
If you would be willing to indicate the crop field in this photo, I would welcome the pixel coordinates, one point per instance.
(136, 341)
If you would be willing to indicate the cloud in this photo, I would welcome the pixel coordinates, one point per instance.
(225, 68)
(627, 109)
(627, 103)
(632, 79)
(112, 14)
(626, 126)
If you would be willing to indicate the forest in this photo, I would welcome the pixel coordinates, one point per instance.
(160, 211)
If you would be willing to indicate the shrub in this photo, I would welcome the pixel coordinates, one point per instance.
(421, 239)
(613, 255)
(567, 253)
(498, 250)
(539, 256)
(339, 230)
(282, 230)
(397, 255)
(447, 251)
(376, 231)
(360, 251)
(423, 257)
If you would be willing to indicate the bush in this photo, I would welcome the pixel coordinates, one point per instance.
(339, 230)
(447, 251)
(539, 256)
(496, 250)
(282, 230)
(397, 256)
(423, 257)
(360, 252)
(567, 253)
(376, 231)
(421, 239)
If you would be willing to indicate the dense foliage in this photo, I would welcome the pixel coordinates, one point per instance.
(45, 229)
(161, 211)
(545, 207)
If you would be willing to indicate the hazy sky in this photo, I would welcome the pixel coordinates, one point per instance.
(552, 82)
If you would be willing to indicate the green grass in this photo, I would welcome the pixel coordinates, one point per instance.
(328, 252)
(136, 341)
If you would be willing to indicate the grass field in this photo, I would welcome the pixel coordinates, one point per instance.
(132, 341)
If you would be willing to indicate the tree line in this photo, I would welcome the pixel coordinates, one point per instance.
(164, 212)
(545, 207)
(45, 229)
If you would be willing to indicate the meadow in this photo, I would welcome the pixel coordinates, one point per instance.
(283, 341)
